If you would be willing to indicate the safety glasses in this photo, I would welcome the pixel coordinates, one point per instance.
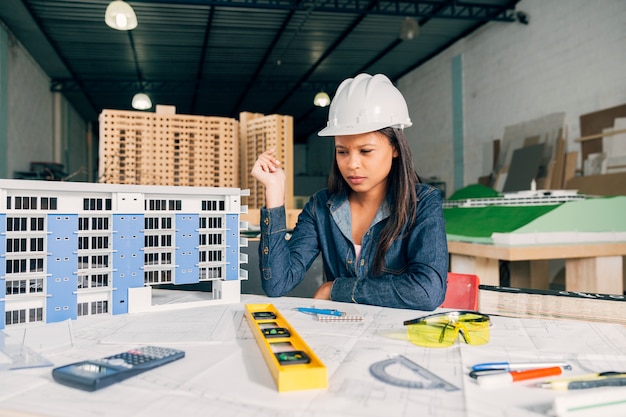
(442, 329)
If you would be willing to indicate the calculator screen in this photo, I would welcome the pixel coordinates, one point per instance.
(88, 369)
(95, 368)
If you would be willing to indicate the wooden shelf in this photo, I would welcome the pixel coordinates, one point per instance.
(600, 135)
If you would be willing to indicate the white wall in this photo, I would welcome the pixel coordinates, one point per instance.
(30, 130)
(570, 58)
(29, 118)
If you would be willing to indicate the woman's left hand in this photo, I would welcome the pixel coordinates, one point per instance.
(323, 292)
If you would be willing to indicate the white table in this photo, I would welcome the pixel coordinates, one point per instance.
(223, 373)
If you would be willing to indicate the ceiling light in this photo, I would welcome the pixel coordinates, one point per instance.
(321, 99)
(141, 101)
(120, 15)
(409, 29)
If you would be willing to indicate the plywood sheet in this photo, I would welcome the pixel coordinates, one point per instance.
(571, 160)
(557, 165)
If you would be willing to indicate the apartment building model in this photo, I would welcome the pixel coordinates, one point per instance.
(165, 148)
(78, 249)
(259, 133)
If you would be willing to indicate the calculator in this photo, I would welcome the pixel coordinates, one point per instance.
(91, 375)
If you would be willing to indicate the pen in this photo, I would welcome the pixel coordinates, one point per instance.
(326, 311)
(606, 379)
(517, 366)
(504, 378)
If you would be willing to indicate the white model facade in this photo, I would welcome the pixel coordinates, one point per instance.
(77, 249)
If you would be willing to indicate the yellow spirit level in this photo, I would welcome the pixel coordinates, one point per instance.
(292, 363)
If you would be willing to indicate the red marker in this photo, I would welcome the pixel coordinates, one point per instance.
(505, 378)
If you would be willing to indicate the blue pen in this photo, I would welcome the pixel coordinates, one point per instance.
(517, 366)
(326, 311)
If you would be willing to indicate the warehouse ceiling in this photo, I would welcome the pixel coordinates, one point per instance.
(222, 57)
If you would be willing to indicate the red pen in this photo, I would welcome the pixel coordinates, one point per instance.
(505, 378)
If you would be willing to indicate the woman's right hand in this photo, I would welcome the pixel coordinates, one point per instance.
(267, 171)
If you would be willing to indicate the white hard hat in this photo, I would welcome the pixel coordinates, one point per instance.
(366, 103)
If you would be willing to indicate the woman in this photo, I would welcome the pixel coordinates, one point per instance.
(380, 231)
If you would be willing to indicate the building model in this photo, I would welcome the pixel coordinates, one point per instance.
(78, 249)
(165, 148)
(259, 133)
(520, 198)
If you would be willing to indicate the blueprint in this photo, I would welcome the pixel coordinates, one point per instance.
(224, 374)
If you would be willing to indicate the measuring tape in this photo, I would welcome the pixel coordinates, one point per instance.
(293, 365)
(379, 370)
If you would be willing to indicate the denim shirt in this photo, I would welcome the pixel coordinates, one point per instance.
(416, 264)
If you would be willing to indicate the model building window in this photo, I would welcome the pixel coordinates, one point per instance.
(83, 282)
(151, 259)
(83, 309)
(166, 240)
(96, 204)
(35, 285)
(36, 244)
(166, 276)
(83, 242)
(15, 266)
(151, 223)
(211, 273)
(15, 317)
(151, 241)
(36, 265)
(19, 316)
(211, 239)
(83, 223)
(16, 224)
(212, 205)
(36, 223)
(100, 261)
(26, 203)
(16, 245)
(99, 242)
(99, 223)
(166, 258)
(16, 286)
(210, 223)
(151, 277)
(99, 280)
(215, 239)
(35, 314)
(48, 203)
(99, 307)
(83, 262)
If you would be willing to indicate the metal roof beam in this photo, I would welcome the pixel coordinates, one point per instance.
(414, 8)
(70, 85)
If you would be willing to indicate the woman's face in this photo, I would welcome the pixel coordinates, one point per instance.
(364, 160)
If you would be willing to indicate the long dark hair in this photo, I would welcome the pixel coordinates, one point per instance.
(401, 183)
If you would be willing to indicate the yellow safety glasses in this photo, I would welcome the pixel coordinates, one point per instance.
(442, 329)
